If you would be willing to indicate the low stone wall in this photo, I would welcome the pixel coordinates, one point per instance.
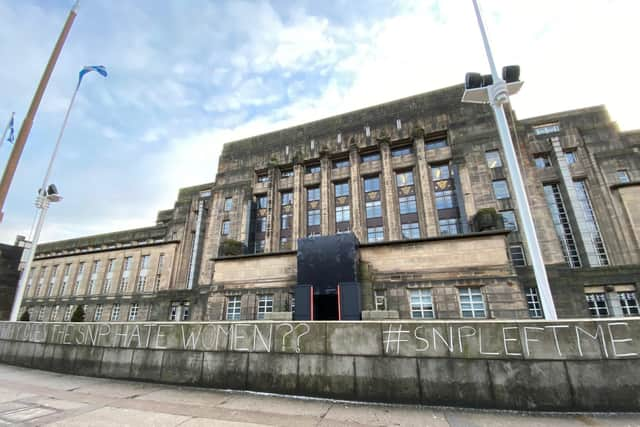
(533, 365)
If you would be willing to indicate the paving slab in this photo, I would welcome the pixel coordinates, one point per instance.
(109, 416)
(186, 396)
(277, 405)
(384, 415)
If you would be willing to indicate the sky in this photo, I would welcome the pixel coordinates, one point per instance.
(187, 76)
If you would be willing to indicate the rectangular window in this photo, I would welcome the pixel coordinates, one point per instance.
(440, 172)
(493, 159)
(97, 315)
(407, 204)
(285, 243)
(375, 234)
(629, 303)
(226, 226)
(370, 157)
(41, 313)
(542, 160)
(596, 251)
(261, 201)
(341, 188)
(314, 168)
(54, 313)
(265, 305)
(286, 198)
(259, 246)
(286, 173)
(561, 223)
(186, 310)
(79, 277)
(371, 184)
(173, 311)
(263, 177)
(501, 189)
(517, 255)
(421, 304)
(471, 302)
(404, 178)
(509, 220)
(623, 176)
(405, 150)
(570, 157)
(445, 199)
(343, 214)
(115, 312)
(313, 194)
(286, 221)
(546, 129)
(67, 313)
(411, 231)
(380, 299)
(448, 226)
(374, 209)
(261, 224)
(597, 303)
(533, 303)
(233, 307)
(228, 204)
(343, 163)
(133, 312)
(313, 217)
(438, 143)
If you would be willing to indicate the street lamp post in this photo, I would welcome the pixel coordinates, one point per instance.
(497, 94)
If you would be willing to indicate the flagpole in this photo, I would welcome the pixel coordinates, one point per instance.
(6, 129)
(27, 123)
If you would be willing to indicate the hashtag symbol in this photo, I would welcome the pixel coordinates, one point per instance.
(394, 337)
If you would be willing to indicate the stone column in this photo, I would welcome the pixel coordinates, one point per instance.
(298, 204)
(430, 224)
(325, 193)
(613, 301)
(390, 196)
(272, 235)
(356, 193)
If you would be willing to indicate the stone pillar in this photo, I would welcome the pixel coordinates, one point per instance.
(298, 204)
(272, 235)
(613, 301)
(466, 192)
(424, 177)
(390, 196)
(325, 193)
(356, 193)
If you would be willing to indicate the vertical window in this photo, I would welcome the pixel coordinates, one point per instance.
(421, 304)
(517, 255)
(124, 280)
(30, 281)
(373, 209)
(313, 217)
(404, 178)
(596, 252)
(144, 271)
(445, 199)
(542, 160)
(97, 315)
(93, 277)
(407, 204)
(493, 159)
(265, 305)
(43, 272)
(341, 189)
(509, 220)
(52, 280)
(375, 234)
(133, 312)
(570, 157)
(228, 204)
(261, 224)
(313, 194)
(285, 243)
(261, 201)
(233, 307)
(40, 317)
(597, 303)
(259, 246)
(371, 184)
(533, 303)
(173, 311)
(186, 310)
(286, 221)
(159, 272)
(448, 227)
(471, 302)
(562, 225)
(67, 313)
(79, 277)
(411, 231)
(501, 189)
(629, 303)
(287, 198)
(226, 225)
(115, 312)
(380, 299)
(343, 214)
(440, 172)
(65, 279)
(623, 176)
(54, 313)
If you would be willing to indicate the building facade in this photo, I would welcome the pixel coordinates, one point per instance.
(418, 182)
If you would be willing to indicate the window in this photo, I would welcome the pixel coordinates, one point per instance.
(439, 143)
(259, 246)
(67, 313)
(421, 304)
(375, 234)
(173, 311)
(623, 176)
(226, 225)
(261, 201)
(517, 255)
(65, 279)
(597, 303)
(40, 317)
(261, 224)
(286, 173)
(542, 160)
(133, 312)
(448, 226)
(343, 163)
(54, 313)
(629, 303)
(493, 159)
(440, 172)
(445, 199)
(407, 204)
(52, 281)
(30, 281)
(509, 220)
(411, 231)
(404, 178)
(561, 224)
(228, 204)
(79, 277)
(546, 129)
(313, 194)
(314, 168)
(285, 243)
(263, 177)
(342, 214)
(313, 217)
(233, 307)
(533, 303)
(570, 157)
(371, 184)
(471, 302)
(341, 188)
(124, 283)
(380, 299)
(501, 189)
(405, 150)
(374, 209)
(115, 312)
(286, 198)
(370, 157)
(286, 221)
(265, 305)
(186, 310)
(43, 272)
(596, 252)
(97, 315)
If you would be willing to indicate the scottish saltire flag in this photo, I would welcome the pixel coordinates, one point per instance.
(99, 68)
(11, 135)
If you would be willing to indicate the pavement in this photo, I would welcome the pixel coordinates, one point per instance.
(33, 397)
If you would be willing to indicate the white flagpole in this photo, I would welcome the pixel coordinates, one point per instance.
(6, 129)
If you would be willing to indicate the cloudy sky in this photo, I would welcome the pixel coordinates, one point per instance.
(187, 76)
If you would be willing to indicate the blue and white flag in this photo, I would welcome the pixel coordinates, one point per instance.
(99, 68)
(11, 135)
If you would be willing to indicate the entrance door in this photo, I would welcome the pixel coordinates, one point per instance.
(304, 302)
(349, 301)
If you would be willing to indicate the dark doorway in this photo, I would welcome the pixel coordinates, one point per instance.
(325, 307)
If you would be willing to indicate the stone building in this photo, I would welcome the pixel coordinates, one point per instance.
(421, 184)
